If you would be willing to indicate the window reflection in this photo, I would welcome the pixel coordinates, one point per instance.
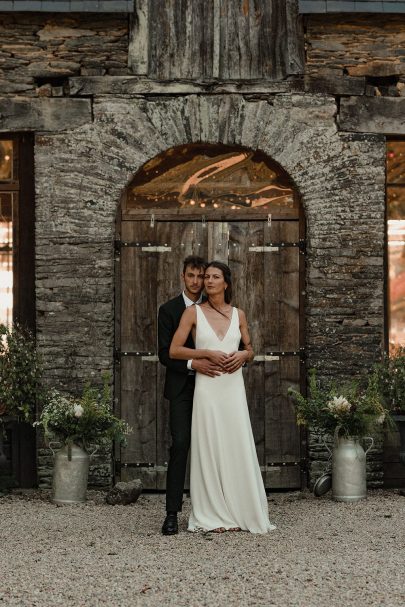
(6, 160)
(209, 178)
(6, 258)
(396, 241)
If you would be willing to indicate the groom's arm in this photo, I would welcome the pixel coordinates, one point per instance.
(166, 330)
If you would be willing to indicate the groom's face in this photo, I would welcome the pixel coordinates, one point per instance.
(193, 282)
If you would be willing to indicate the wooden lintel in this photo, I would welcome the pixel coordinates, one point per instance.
(133, 85)
(27, 114)
(384, 115)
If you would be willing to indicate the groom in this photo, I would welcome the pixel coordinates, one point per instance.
(179, 385)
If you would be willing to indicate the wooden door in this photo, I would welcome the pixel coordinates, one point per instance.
(266, 264)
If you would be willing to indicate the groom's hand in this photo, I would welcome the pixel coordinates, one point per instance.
(206, 367)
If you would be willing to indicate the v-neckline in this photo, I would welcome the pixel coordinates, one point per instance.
(212, 328)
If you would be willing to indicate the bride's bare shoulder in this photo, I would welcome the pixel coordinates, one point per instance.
(189, 314)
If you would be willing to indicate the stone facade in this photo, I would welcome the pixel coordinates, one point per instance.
(39, 51)
(106, 123)
(340, 177)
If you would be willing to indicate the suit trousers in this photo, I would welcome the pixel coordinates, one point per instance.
(181, 409)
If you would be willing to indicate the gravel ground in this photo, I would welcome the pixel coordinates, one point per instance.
(322, 553)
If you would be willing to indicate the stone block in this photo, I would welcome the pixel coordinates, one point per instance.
(373, 115)
(45, 114)
(124, 493)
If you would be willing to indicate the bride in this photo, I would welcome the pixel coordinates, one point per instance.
(226, 486)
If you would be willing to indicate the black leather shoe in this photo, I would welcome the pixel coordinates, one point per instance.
(170, 526)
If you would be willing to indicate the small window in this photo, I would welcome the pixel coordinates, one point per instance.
(6, 160)
(396, 241)
(6, 258)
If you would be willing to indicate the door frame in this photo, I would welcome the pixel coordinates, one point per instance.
(158, 215)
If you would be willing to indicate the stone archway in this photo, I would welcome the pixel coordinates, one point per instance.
(340, 177)
(238, 206)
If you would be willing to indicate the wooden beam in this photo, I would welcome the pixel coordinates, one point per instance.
(385, 115)
(26, 114)
(132, 85)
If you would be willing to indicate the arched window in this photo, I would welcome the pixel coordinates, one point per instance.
(211, 180)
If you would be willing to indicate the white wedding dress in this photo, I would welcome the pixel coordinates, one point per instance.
(226, 485)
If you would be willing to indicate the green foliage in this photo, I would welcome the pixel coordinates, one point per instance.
(87, 419)
(21, 386)
(351, 409)
(391, 380)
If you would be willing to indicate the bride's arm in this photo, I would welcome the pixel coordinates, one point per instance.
(180, 352)
(238, 358)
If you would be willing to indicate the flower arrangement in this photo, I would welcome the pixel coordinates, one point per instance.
(347, 410)
(391, 380)
(21, 386)
(84, 420)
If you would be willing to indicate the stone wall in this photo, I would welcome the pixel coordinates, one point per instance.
(67, 79)
(39, 52)
(340, 176)
(368, 47)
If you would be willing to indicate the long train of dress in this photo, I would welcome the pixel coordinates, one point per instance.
(226, 485)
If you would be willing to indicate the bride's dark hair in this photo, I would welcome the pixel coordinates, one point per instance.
(226, 271)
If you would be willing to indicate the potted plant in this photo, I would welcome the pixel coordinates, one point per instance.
(348, 413)
(391, 381)
(21, 390)
(78, 423)
(21, 386)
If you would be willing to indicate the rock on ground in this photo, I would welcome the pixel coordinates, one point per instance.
(124, 493)
(323, 553)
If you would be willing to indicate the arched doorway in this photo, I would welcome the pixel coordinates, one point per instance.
(227, 203)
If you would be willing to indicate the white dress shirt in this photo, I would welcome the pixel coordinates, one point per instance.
(189, 302)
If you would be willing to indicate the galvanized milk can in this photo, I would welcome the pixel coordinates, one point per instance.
(349, 469)
(70, 474)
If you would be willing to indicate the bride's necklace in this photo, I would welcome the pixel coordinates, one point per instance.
(217, 310)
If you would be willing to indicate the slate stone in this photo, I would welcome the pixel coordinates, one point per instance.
(124, 493)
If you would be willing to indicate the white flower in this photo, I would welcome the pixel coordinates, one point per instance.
(381, 418)
(78, 410)
(339, 404)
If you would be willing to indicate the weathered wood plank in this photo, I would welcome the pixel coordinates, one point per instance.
(139, 334)
(373, 115)
(134, 85)
(138, 51)
(247, 275)
(262, 39)
(217, 39)
(44, 114)
(289, 297)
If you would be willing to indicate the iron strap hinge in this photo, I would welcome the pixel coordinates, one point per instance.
(122, 465)
(145, 356)
(275, 246)
(276, 354)
(302, 463)
(148, 247)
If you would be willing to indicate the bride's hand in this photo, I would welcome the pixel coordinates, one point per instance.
(234, 361)
(217, 357)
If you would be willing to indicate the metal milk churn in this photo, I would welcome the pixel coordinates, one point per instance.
(349, 469)
(70, 474)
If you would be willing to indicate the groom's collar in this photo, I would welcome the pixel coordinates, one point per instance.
(189, 302)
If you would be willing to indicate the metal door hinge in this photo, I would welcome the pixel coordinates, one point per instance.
(122, 465)
(156, 249)
(263, 249)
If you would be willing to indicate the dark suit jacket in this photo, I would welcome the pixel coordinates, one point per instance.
(176, 370)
